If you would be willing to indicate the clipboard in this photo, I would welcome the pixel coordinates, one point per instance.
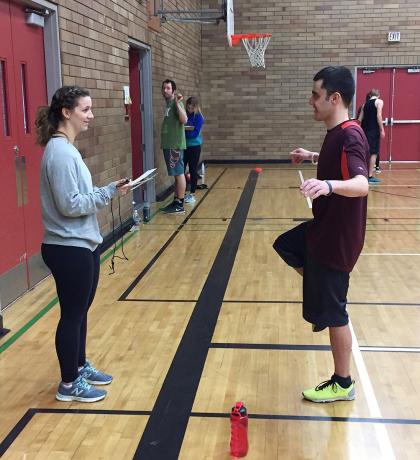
(145, 177)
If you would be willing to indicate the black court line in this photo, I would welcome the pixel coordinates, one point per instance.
(165, 429)
(16, 430)
(212, 218)
(385, 304)
(271, 346)
(92, 411)
(21, 425)
(168, 242)
(273, 302)
(23, 422)
(299, 347)
(314, 418)
(161, 300)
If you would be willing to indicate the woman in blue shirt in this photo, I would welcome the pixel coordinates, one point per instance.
(194, 141)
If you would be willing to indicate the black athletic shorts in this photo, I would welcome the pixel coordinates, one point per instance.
(374, 141)
(324, 288)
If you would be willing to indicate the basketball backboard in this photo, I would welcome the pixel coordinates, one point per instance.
(230, 20)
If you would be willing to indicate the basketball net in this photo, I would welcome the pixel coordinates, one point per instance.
(255, 45)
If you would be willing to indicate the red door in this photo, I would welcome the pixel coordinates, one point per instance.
(22, 91)
(380, 79)
(406, 116)
(400, 90)
(136, 121)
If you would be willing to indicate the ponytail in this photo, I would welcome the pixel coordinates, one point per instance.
(45, 127)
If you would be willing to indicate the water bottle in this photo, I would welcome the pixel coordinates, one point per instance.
(146, 211)
(202, 172)
(239, 430)
(136, 216)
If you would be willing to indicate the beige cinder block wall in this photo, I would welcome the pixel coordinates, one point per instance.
(264, 114)
(94, 54)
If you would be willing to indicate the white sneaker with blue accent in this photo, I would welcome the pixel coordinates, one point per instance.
(93, 376)
(80, 391)
(190, 198)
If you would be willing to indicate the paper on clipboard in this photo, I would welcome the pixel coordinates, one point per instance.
(143, 177)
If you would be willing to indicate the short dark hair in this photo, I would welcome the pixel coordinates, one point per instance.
(337, 79)
(173, 84)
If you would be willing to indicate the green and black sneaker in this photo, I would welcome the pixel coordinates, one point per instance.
(329, 391)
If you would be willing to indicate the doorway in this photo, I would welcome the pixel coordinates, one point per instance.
(141, 117)
(399, 88)
(23, 88)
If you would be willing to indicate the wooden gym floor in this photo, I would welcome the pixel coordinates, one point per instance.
(204, 314)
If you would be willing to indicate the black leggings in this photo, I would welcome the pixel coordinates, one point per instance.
(192, 158)
(76, 273)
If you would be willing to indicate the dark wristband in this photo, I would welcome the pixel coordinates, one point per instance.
(330, 190)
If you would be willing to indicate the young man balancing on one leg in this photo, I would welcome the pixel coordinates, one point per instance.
(325, 249)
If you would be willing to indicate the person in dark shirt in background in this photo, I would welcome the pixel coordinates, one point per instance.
(370, 118)
(194, 142)
(325, 249)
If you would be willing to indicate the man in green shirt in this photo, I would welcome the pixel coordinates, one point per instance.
(173, 143)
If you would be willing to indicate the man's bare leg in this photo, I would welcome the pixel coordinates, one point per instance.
(372, 164)
(180, 185)
(341, 342)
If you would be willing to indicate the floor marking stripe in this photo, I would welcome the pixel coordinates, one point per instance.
(390, 254)
(165, 429)
(392, 207)
(386, 349)
(381, 431)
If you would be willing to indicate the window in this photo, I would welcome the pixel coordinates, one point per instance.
(3, 99)
(24, 99)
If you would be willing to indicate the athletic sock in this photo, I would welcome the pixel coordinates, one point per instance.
(344, 382)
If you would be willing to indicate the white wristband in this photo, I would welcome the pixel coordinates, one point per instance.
(312, 159)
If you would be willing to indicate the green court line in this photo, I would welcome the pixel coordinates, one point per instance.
(47, 308)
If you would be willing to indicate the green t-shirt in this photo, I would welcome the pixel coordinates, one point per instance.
(172, 134)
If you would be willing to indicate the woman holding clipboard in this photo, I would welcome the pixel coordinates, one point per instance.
(69, 203)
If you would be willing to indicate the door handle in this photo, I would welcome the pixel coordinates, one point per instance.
(24, 179)
(401, 122)
(18, 174)
(21, 178)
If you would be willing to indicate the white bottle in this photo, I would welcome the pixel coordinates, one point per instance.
(202, 172)
(136, 216)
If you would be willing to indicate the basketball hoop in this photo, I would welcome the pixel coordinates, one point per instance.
(255, 45)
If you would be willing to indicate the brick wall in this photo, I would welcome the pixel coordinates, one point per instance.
(263, 114)
(94, 54)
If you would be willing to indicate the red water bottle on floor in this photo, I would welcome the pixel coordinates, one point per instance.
(239, 430)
